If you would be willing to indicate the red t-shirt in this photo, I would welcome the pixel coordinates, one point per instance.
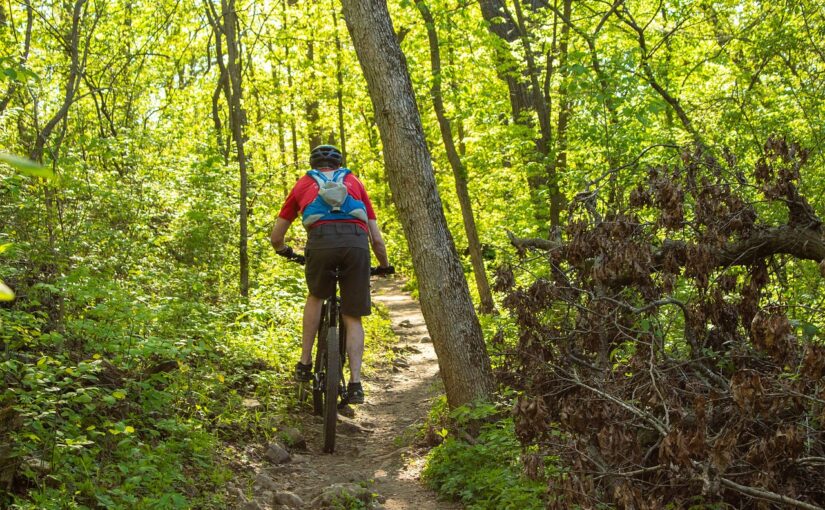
(305, 191)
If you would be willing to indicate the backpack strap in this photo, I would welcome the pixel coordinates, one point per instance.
(339, 176)
(318, 177)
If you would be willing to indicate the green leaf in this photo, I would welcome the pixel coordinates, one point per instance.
(4, 247)
(6, 294)
(809, 330)
(578, 69)
(26, 166)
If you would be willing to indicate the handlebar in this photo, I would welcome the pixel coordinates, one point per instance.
(382, 271)
(289, 254)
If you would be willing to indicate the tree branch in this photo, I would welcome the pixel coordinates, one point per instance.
(767, 495)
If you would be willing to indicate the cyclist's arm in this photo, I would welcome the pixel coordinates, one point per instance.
(278, 233)
(377, 242)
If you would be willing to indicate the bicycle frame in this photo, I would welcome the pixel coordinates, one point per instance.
(329, 389)
(328, 378)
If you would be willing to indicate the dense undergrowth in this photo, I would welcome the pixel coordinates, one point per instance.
(478, 460)
(133, 400)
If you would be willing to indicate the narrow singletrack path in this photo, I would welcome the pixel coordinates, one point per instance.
(374, 444)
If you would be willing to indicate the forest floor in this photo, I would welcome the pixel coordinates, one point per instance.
(375, 447)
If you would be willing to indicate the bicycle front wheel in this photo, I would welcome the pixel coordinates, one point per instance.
(333, 378)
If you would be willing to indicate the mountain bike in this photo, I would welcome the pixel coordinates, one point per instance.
(328, 384)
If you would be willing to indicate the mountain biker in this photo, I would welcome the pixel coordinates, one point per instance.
(335, 239)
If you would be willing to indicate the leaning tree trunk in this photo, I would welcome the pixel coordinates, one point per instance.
(445, 297)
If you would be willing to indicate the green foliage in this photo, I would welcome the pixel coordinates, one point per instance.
(129, 405)
(26, 166)
(487, 474)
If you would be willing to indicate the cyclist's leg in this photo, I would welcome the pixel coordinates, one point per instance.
(319, 263)
(355, 303)
(312, 318)
(355, 345)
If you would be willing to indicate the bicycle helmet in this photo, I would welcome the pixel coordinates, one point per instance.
(325, 155)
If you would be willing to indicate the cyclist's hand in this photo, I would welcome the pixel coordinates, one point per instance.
(288, 253)
(382, 271)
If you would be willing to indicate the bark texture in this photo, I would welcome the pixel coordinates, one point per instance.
(445, 297)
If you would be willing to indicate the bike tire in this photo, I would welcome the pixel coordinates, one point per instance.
(320, 371)
(333, 378)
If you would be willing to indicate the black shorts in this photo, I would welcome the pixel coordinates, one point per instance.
(346, 247)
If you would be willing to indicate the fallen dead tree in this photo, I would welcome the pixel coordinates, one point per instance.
(663, 349)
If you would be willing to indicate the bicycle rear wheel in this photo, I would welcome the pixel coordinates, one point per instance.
(333, 378)
(319, 377)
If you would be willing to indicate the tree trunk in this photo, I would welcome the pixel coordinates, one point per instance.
(293, 128)
(565, 112)
(459, 171)
(501, 24)
(72, 83)
(313, 117)
(445, 297)
(237, 118)
(339, 75)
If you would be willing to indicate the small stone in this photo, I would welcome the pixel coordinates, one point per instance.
(264, 482)
(294, 438)
(276, 454)
(299, 459)
(425, 340)
(406, 324)
(334, 494)
(288, 499)
(281, 469)
(250, 403)
(38, 465)
(252, 505)
(348, 426)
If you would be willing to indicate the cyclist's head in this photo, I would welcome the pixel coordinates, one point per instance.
(325, 156)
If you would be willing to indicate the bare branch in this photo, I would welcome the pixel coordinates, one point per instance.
(767, 495)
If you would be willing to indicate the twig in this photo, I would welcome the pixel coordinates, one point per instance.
(636, 472)
(811, 460)
(661, 428)
(767, 495)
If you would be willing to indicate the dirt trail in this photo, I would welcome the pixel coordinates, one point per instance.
(372, 445)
